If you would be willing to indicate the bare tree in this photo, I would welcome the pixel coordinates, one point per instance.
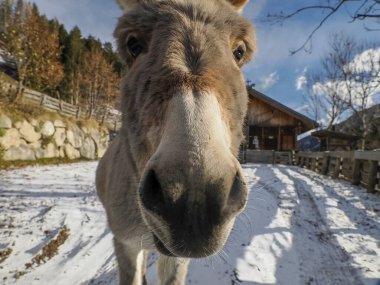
(324, 102)
(99, 82)
(358, 10)
(349, 80)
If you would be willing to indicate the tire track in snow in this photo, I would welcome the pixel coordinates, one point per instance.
(355, 224)
(322, 261)
(332, 263)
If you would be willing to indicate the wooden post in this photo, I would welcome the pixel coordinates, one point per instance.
(356, 172)
(297, 159)
(327, 143)
(279, 139)
(78, 112)
(43, 99)
(325, 164)
(336, 170)
(104, 117)
(374, 167)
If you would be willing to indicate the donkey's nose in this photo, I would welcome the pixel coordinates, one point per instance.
(166, 194)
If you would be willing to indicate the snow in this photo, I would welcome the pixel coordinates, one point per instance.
(298, 228)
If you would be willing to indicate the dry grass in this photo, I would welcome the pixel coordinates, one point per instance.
(5, 79)
(20, 112)
(50, 249)
(4, 254)
(45, 161)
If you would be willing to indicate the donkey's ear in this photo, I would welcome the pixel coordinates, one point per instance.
(126, 5)
(238, 4)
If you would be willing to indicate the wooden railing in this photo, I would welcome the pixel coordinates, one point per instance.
(106, 116)
(267, 156)
(357, 167)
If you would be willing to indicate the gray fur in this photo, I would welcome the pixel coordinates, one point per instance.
(171, 182)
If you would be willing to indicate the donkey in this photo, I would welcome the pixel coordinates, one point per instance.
(171, 182)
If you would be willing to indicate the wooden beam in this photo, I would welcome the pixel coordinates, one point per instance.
(367, 155)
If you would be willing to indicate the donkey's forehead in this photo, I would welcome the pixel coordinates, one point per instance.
(218, 12)
(128, 5)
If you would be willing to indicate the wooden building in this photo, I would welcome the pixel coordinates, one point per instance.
(273, 126)
(336, 141)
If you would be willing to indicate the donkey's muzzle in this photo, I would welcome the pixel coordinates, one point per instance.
(195, 209)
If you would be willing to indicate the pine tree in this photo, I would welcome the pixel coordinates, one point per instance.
(6, 15)
(19, 12)
(113, 58)
(72, 58)
(91, 43)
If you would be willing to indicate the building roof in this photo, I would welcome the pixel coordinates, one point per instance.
(309, 123)
(333, 134)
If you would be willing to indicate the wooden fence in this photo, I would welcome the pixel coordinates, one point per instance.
(267, 156)
(109, 117)
(357, 167)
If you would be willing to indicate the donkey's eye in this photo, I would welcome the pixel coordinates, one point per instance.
(239, 53)
(134, 46)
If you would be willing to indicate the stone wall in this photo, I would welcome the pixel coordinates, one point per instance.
(37, 138)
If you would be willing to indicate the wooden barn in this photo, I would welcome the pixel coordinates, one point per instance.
(273, 126)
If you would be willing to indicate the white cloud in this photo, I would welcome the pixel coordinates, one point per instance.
(365, 62)
(365, 85)
(301, 80)
(268, 81)
(302, 108)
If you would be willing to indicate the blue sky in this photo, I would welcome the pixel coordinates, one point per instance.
(273, 70)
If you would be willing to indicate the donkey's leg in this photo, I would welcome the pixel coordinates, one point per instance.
(144, 268)
(172, 270)
(131, 261)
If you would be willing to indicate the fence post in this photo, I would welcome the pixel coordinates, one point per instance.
(325, 164)
(104, 117)
(337, 167)
(356, 172)
(42, 99)
(374, 165)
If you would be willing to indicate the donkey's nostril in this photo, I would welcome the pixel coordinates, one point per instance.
(238, 194)
(151, 192)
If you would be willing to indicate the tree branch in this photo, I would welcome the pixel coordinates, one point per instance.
(281, 17)
(363, 16)
(366, 9)
(308, 40)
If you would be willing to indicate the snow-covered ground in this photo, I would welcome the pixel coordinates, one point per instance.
(298, 228)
